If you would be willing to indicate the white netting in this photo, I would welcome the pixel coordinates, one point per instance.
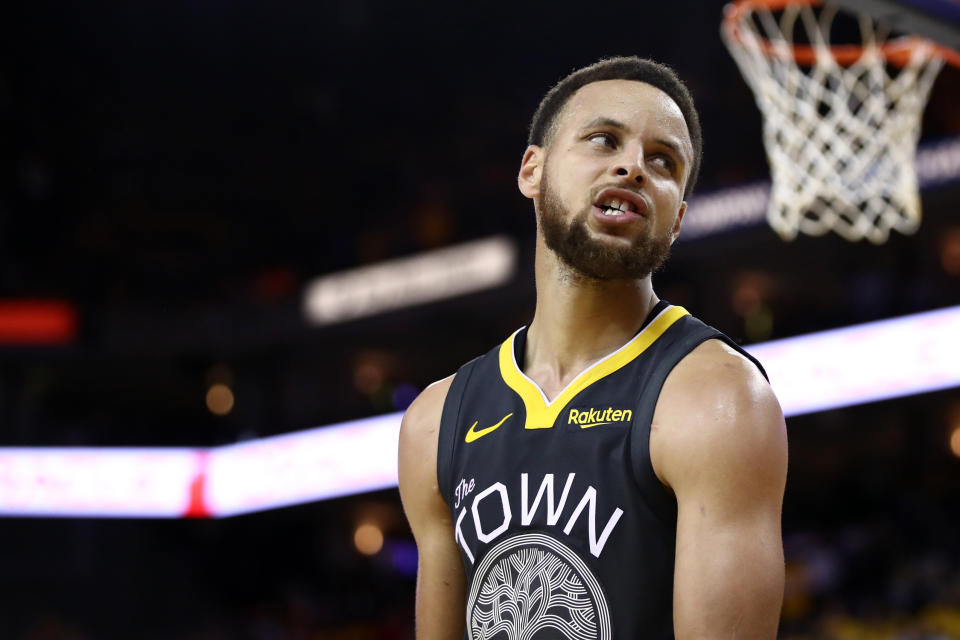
(840, 138)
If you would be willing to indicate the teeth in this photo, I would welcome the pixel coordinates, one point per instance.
(620, 205)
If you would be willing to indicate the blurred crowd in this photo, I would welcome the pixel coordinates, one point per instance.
(864, 582)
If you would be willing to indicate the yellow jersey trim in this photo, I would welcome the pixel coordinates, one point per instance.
(541, 413)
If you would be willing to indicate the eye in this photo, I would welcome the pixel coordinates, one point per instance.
(605, 139)
(664, 160)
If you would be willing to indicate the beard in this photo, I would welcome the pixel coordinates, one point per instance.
(589, 257)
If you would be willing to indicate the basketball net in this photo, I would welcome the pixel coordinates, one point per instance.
(840, 123)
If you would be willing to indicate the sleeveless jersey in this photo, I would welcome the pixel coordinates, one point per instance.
(564, 529)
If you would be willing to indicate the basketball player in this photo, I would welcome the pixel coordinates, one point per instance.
(616, 469)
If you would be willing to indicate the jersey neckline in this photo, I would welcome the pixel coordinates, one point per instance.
(542, 413)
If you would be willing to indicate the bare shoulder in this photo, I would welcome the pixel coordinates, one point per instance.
(417, 455)
(716, 408)
(441, 582)
(420, 426)
(422, 418)
(715, 377)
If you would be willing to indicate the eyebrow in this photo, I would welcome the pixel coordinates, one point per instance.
(604, 121)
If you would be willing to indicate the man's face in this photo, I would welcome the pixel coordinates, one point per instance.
(610, 191)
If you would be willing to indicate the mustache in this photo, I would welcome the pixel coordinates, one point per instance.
(615, 185)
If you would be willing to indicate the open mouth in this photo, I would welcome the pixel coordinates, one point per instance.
(615, 207)
(615, 203)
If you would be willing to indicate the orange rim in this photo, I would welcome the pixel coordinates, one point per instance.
(896, 51)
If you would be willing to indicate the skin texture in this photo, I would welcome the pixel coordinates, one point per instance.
(441, 586)
(718, 439)
(719, 442)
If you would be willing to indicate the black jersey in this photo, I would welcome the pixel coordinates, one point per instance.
(564, 529)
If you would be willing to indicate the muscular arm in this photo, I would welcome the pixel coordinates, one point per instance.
(440, 580)
(719, 442)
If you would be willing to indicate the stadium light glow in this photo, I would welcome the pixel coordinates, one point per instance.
(425, 277)
(37, 322)
(320, 463)
(106, 482)
(864, 363)
(830, 369)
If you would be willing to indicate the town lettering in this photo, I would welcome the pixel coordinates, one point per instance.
(496, 516)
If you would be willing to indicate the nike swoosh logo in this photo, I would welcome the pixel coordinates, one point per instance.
(476, 435)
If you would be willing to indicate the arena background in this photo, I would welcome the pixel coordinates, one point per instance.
(173, 176)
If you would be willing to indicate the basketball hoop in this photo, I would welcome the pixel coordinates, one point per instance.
(840, 121)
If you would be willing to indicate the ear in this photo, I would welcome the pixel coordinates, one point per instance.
(679, 221)
(531, 169)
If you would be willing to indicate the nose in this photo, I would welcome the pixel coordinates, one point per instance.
(630, 167)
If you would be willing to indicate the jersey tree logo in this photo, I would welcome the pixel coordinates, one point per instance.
(531, 583)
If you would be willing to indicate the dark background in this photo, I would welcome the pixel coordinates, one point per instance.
(179, 171)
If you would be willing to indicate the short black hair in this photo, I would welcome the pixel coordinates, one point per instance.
(543, 125)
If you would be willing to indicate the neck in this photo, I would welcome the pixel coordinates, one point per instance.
(579, 320)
